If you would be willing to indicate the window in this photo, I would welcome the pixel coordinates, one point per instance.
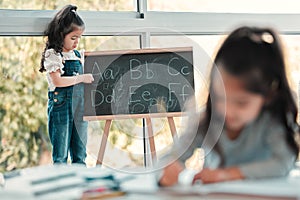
(113, 25)
(228, 6)
(91, 5)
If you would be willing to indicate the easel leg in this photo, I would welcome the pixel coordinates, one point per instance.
(103, 141)
(172, 128)
(151, 139)
(144, 143)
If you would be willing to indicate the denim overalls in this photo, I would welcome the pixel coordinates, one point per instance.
(67, 130)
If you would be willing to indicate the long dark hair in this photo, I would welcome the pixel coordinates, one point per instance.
(255, 55)
(64, 22)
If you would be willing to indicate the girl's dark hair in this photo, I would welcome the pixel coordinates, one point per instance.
(63, 23)
(255, 55)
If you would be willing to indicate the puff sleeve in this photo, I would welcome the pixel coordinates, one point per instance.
(53, 61)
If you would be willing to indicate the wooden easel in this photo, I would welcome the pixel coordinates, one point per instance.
(147, 117)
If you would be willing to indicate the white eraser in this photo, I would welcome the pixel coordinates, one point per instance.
(186, 177)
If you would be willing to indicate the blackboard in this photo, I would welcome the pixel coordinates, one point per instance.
(138, 81)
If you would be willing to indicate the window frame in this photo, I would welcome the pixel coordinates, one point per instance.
(145, 23)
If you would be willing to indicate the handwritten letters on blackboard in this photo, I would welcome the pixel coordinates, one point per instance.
(139, 81)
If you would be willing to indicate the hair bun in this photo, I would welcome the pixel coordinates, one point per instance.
(73, 9)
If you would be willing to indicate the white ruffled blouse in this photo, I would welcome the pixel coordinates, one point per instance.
(54, 61)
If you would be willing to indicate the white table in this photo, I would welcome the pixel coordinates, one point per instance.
(68, 183)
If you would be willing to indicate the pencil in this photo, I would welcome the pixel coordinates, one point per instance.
(101, 195)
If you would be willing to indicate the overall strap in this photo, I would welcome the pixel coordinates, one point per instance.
(77, 53)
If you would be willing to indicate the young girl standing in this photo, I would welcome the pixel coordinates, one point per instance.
(64, 70)
(249, 92)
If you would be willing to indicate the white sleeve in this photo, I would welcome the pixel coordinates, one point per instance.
(53, 61)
